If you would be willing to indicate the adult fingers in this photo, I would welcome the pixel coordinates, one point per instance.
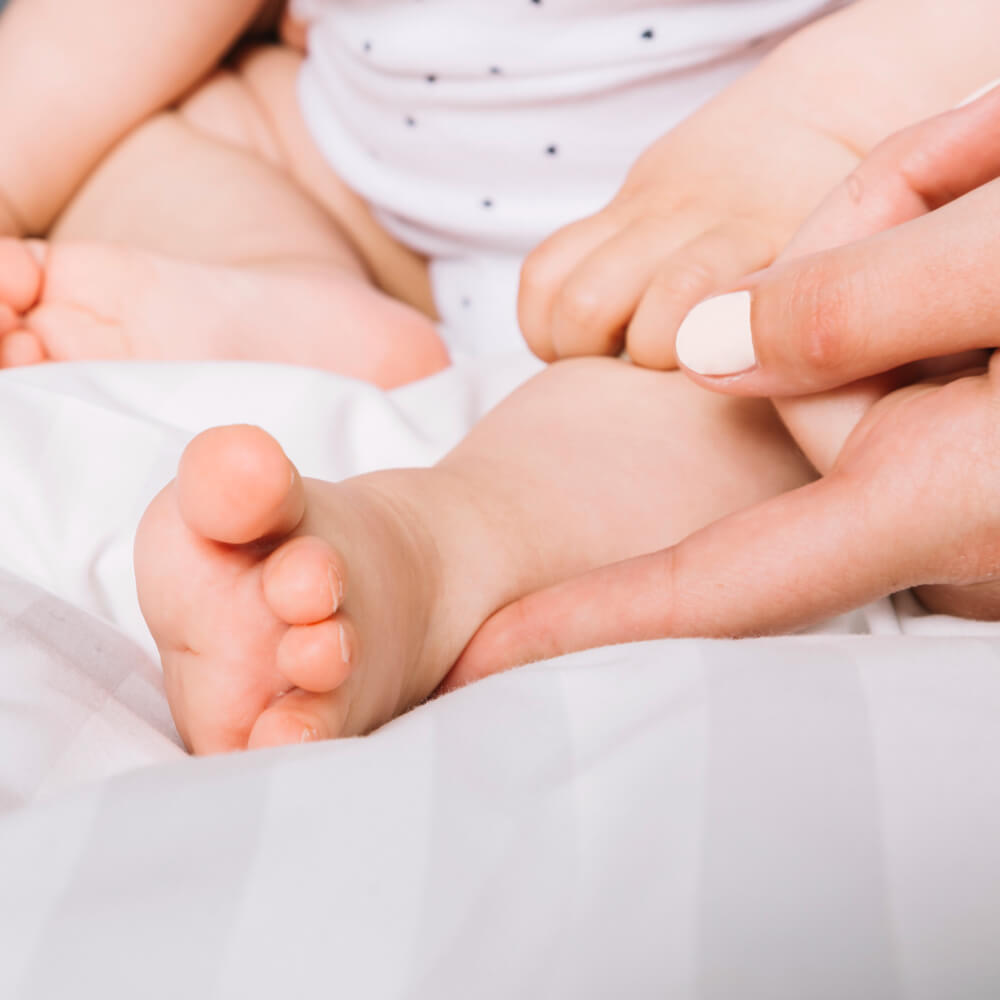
(952, 154)
(876, 524)
(911, 173)
(923, 289)
(711, 261)
(915, 171)
(795, 560)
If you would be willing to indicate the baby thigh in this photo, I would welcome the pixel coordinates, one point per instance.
(231, 174)
(269, 78)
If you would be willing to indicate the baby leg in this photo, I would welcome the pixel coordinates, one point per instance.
(288, 609)
(199, 238)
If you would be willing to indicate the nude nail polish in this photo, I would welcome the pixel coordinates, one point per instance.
(715, 337)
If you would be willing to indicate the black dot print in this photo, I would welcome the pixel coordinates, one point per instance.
(495, 71)
(367, 46)
(649, 34)
(411, 122)
(487, 203)
(552, 150)
(466, 302)
(431, 78)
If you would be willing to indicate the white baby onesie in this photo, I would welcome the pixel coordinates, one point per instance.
(475, 128)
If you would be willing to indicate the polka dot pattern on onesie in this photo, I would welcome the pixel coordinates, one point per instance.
(476, 128)
(488, 124)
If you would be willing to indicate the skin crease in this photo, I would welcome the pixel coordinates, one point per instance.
(909, 497)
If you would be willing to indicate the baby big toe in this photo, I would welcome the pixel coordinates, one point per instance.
(304, 581)
(235, 485)
(317, 658)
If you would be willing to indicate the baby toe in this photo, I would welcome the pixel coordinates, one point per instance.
(317, 658)
(303, 581)
(9, 320)
(20, 273)
(299, 717)
(20, 348)
(235, 485)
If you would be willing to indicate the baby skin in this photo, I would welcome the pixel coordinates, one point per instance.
(213, 229)
(287, 609)
(196, 219)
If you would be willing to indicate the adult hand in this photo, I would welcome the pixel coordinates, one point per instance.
(913, 497)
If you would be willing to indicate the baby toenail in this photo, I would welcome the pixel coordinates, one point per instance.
(336, 587)
(309, 735)
(345, 646)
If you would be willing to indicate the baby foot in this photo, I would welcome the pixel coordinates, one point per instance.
(289, 610)
(77, 301)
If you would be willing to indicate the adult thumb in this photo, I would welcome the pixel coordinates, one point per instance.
(792, 561)
(925, 289)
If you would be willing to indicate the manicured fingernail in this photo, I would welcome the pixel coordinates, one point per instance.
(981, 92)
(715, 337)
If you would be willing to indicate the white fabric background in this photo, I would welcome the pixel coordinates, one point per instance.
(800, 818)
(816, 816)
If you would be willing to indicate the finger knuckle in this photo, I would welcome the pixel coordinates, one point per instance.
(819, 314)
(580, 304)
(684, 283)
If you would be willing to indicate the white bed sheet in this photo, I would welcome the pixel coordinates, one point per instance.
(806, 817)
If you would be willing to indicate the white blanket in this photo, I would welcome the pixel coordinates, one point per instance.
(807, 817)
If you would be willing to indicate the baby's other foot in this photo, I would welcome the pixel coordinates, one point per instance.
(288, 610)
(79, 301)
(20, 289)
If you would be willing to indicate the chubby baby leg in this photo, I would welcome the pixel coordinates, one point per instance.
(288, 609)
(196, 238)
